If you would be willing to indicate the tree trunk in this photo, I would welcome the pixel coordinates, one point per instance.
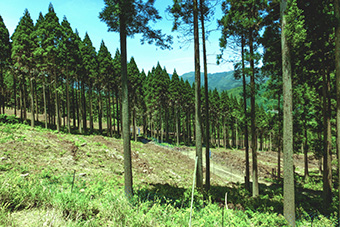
(166, 124)
(36, 101)
(134, 124)
(15, 94)
(236, 135)
(218, 134)
(83, 108)
(21, 102)
(337, 67)
(73, 104)
(279, 142)
(188, 128)
(32, 100)
(80, 107)
(253, 120)
(224, 132)
(246, 136)
(2, 88)
(206, 93)
(305, 150)
(56, 99)
(100, 111)
(327, 173)
(125, 111)
(177, 127)
(198, 134)
(49, 108)
(68, 103)
(227, 136)
(114, 115)
(117, 110)
(109, 117)
(45, 103)
(90, 106)
(24, 99)
(288, 185)
(161, 127)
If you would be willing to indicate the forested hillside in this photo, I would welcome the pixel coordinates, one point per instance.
(221, 81)
(282, 98)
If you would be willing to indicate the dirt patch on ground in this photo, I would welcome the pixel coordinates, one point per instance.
(267, 161)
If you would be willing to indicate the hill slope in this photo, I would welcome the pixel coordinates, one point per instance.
(221, 81)
(77, 180)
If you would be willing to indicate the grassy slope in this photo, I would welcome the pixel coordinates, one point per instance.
(37, 167)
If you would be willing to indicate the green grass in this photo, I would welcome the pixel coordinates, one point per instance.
(43, 181)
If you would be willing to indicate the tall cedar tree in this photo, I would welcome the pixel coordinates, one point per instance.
(51, 44)
(129, 17)
(5, 55)
(79, 81)
(186, 12)
(198, 130)
(90, 68)
(67, 55)
(272, 67)
(245, 18)
(40, 60)
(175, 97)
(22, 54)
(232, 28)
(288, 185)
(134, 84)
(105, 62)
(116, 84)
(204, 12)
(337, 67)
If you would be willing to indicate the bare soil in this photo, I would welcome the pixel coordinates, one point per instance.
(152, 163)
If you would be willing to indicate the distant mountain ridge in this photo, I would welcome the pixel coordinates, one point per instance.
(221, 80)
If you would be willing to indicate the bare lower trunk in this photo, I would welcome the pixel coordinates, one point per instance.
(68, 104)
(125, 112)
(327, 173)
(253, 123)
(91, 109)
(32, 101)
(337, 66)
(45, 103)
(100, 112)
(288, 184)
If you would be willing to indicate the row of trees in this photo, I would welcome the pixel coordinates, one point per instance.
(73, 85)
(301, 60)
(160, 104)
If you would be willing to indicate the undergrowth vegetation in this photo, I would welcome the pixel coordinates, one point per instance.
(71, 180)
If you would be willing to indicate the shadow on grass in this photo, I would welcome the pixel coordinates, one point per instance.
(308, 201)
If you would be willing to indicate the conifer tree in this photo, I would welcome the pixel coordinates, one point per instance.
(41, 63)
(5, 55)
(337, 67)
(68, 55)
(50, 44)
(116, 84)
(105, 62)
(134, 84)
(22, 55)
(130, 17)
(245, 19)
(175, 96)
(90, 64)
(79, 81)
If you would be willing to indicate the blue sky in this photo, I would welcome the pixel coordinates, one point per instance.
(83, 15)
